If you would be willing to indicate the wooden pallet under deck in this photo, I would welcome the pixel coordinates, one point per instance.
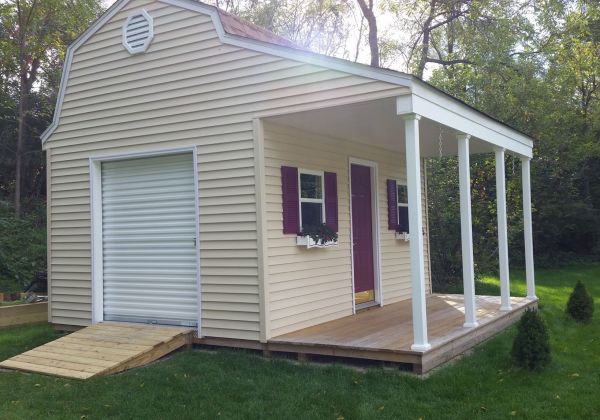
(101, 349)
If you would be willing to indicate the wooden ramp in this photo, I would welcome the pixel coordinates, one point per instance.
(101, 349)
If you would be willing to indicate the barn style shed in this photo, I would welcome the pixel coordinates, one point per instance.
(204, 172)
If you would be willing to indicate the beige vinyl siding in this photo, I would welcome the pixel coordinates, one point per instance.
(188, 89)
(311, 286)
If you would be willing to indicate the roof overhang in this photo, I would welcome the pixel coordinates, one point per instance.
(376, 123)
(443, 109)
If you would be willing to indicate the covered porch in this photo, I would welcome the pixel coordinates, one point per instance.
(385, 333)
(427, 327)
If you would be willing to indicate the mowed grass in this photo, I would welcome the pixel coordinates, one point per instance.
(236, 384)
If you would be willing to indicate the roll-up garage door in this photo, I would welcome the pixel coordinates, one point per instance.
(149, 240)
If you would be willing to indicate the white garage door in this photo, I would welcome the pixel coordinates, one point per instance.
(149, 240)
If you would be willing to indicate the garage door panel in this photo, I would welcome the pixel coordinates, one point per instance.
(149, 240)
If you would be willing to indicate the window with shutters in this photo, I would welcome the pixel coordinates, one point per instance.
(312, 198)
(402, 204)
(309, 202)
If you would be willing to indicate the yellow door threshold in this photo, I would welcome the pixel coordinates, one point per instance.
(101, 349)
(364, 297)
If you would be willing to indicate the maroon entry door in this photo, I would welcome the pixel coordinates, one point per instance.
(362, 233)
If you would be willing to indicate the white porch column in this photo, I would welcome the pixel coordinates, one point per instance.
(527, 229)
(502, 231)
(466, 230)
(415, 220)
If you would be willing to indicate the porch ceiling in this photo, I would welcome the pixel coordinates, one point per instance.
(376, 123)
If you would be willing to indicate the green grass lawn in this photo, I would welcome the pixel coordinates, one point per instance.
(236, 384)
(12, 303)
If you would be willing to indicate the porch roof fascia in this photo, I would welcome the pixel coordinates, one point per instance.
(429, 102)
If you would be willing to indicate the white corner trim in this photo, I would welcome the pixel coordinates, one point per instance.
(261, 223)
(127, 43)
(96, 240)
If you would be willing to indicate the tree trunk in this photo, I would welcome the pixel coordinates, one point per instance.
(426, 40)
(27, 77)
(367, 11)
(20, 128)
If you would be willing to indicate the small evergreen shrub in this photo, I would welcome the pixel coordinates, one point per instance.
(531, 348)
(580, 306)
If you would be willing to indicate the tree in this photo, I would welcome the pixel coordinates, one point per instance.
(368, 12)
(543, 83)
(580, 305)
(322, 26)
(531, 347)
(34, 35)
(459, 32)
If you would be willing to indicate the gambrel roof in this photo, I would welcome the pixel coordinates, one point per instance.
(235, 31)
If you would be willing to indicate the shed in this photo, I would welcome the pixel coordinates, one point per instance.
(206, 173)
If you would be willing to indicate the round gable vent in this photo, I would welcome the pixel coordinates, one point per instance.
(138, 32)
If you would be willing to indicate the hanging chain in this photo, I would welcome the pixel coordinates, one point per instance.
(441, 144)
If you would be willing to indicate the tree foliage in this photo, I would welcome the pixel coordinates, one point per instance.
(22, 247)
(549, 90)
(34, 35)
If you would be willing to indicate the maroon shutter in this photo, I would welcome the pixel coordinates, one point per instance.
(290, 200)
(392, 193)
(331, 201)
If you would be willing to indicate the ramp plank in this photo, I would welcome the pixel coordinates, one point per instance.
(101, 349)
(54, 371)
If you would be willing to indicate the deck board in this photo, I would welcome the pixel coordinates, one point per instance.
(101, 349)
(385, 333)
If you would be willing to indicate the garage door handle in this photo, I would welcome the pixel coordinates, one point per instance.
(195, 243)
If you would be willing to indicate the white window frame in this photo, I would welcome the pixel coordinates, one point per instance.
(398, 203)
(311, 200)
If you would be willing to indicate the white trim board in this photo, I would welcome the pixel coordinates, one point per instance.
(417, 86)
(261, 227)
(95, 165)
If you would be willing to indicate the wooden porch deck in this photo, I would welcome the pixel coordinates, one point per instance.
(101, 349)
(385, 333)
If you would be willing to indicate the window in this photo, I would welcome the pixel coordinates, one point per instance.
(402, 203)
(312, 198)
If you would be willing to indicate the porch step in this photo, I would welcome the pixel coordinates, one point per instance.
(101, 349)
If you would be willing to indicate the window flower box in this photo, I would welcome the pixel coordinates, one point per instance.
(402, 236)
(308, 242)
